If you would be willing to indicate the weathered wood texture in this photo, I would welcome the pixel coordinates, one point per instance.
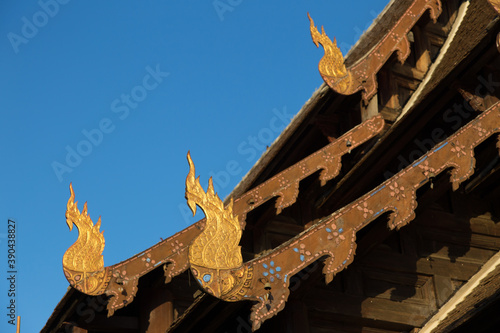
(157, 310)
(79, 330)
(399, 278)
(405, 279)
(426, 266)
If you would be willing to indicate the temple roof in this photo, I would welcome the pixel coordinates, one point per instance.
(352, 167)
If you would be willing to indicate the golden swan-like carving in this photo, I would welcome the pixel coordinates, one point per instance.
(214, 255)
(83, 263)
(217, 246)
(331, 66)
(363, 74)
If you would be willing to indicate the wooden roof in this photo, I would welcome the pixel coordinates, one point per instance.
(398, 279)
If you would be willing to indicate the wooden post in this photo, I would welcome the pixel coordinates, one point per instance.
(370, 110)
(157, 311)
(422, 50)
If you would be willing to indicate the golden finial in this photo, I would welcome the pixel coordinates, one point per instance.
(331, 66)
(217, 246)
(83, 262)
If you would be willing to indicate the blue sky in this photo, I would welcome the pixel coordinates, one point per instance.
(111, 95)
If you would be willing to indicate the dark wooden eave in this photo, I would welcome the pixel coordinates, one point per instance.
(472, 45)
(475, 38)
(466, 57)
(471, 307)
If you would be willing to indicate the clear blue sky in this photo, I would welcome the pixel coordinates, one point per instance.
(146, 81)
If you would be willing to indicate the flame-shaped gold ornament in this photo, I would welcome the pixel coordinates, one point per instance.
(215, 255)
(83, 262)
(331, 66)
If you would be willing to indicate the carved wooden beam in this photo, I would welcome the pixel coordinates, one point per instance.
(266, 280)
(362, 75)
(120, 280)
(285, 185)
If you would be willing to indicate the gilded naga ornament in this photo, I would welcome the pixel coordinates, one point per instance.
(363, 74)
(214, 255)
(83, 262)
(331, 66)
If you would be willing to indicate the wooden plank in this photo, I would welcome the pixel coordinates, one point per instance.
(422, 49)
(370, 308)
(480, 224)
(485, 225)
(397, 286)
(329, 322)
(436, 32)
(476, 293)
(388, 90)
(444, 289)
(408, 72)
(370, 110)
(391, 277)
(396, 262)
(78, 330)
(402, 82)
(455, 251)
(390, 115)
(157, 311)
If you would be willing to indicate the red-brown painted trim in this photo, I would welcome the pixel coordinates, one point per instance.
(173, 251)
